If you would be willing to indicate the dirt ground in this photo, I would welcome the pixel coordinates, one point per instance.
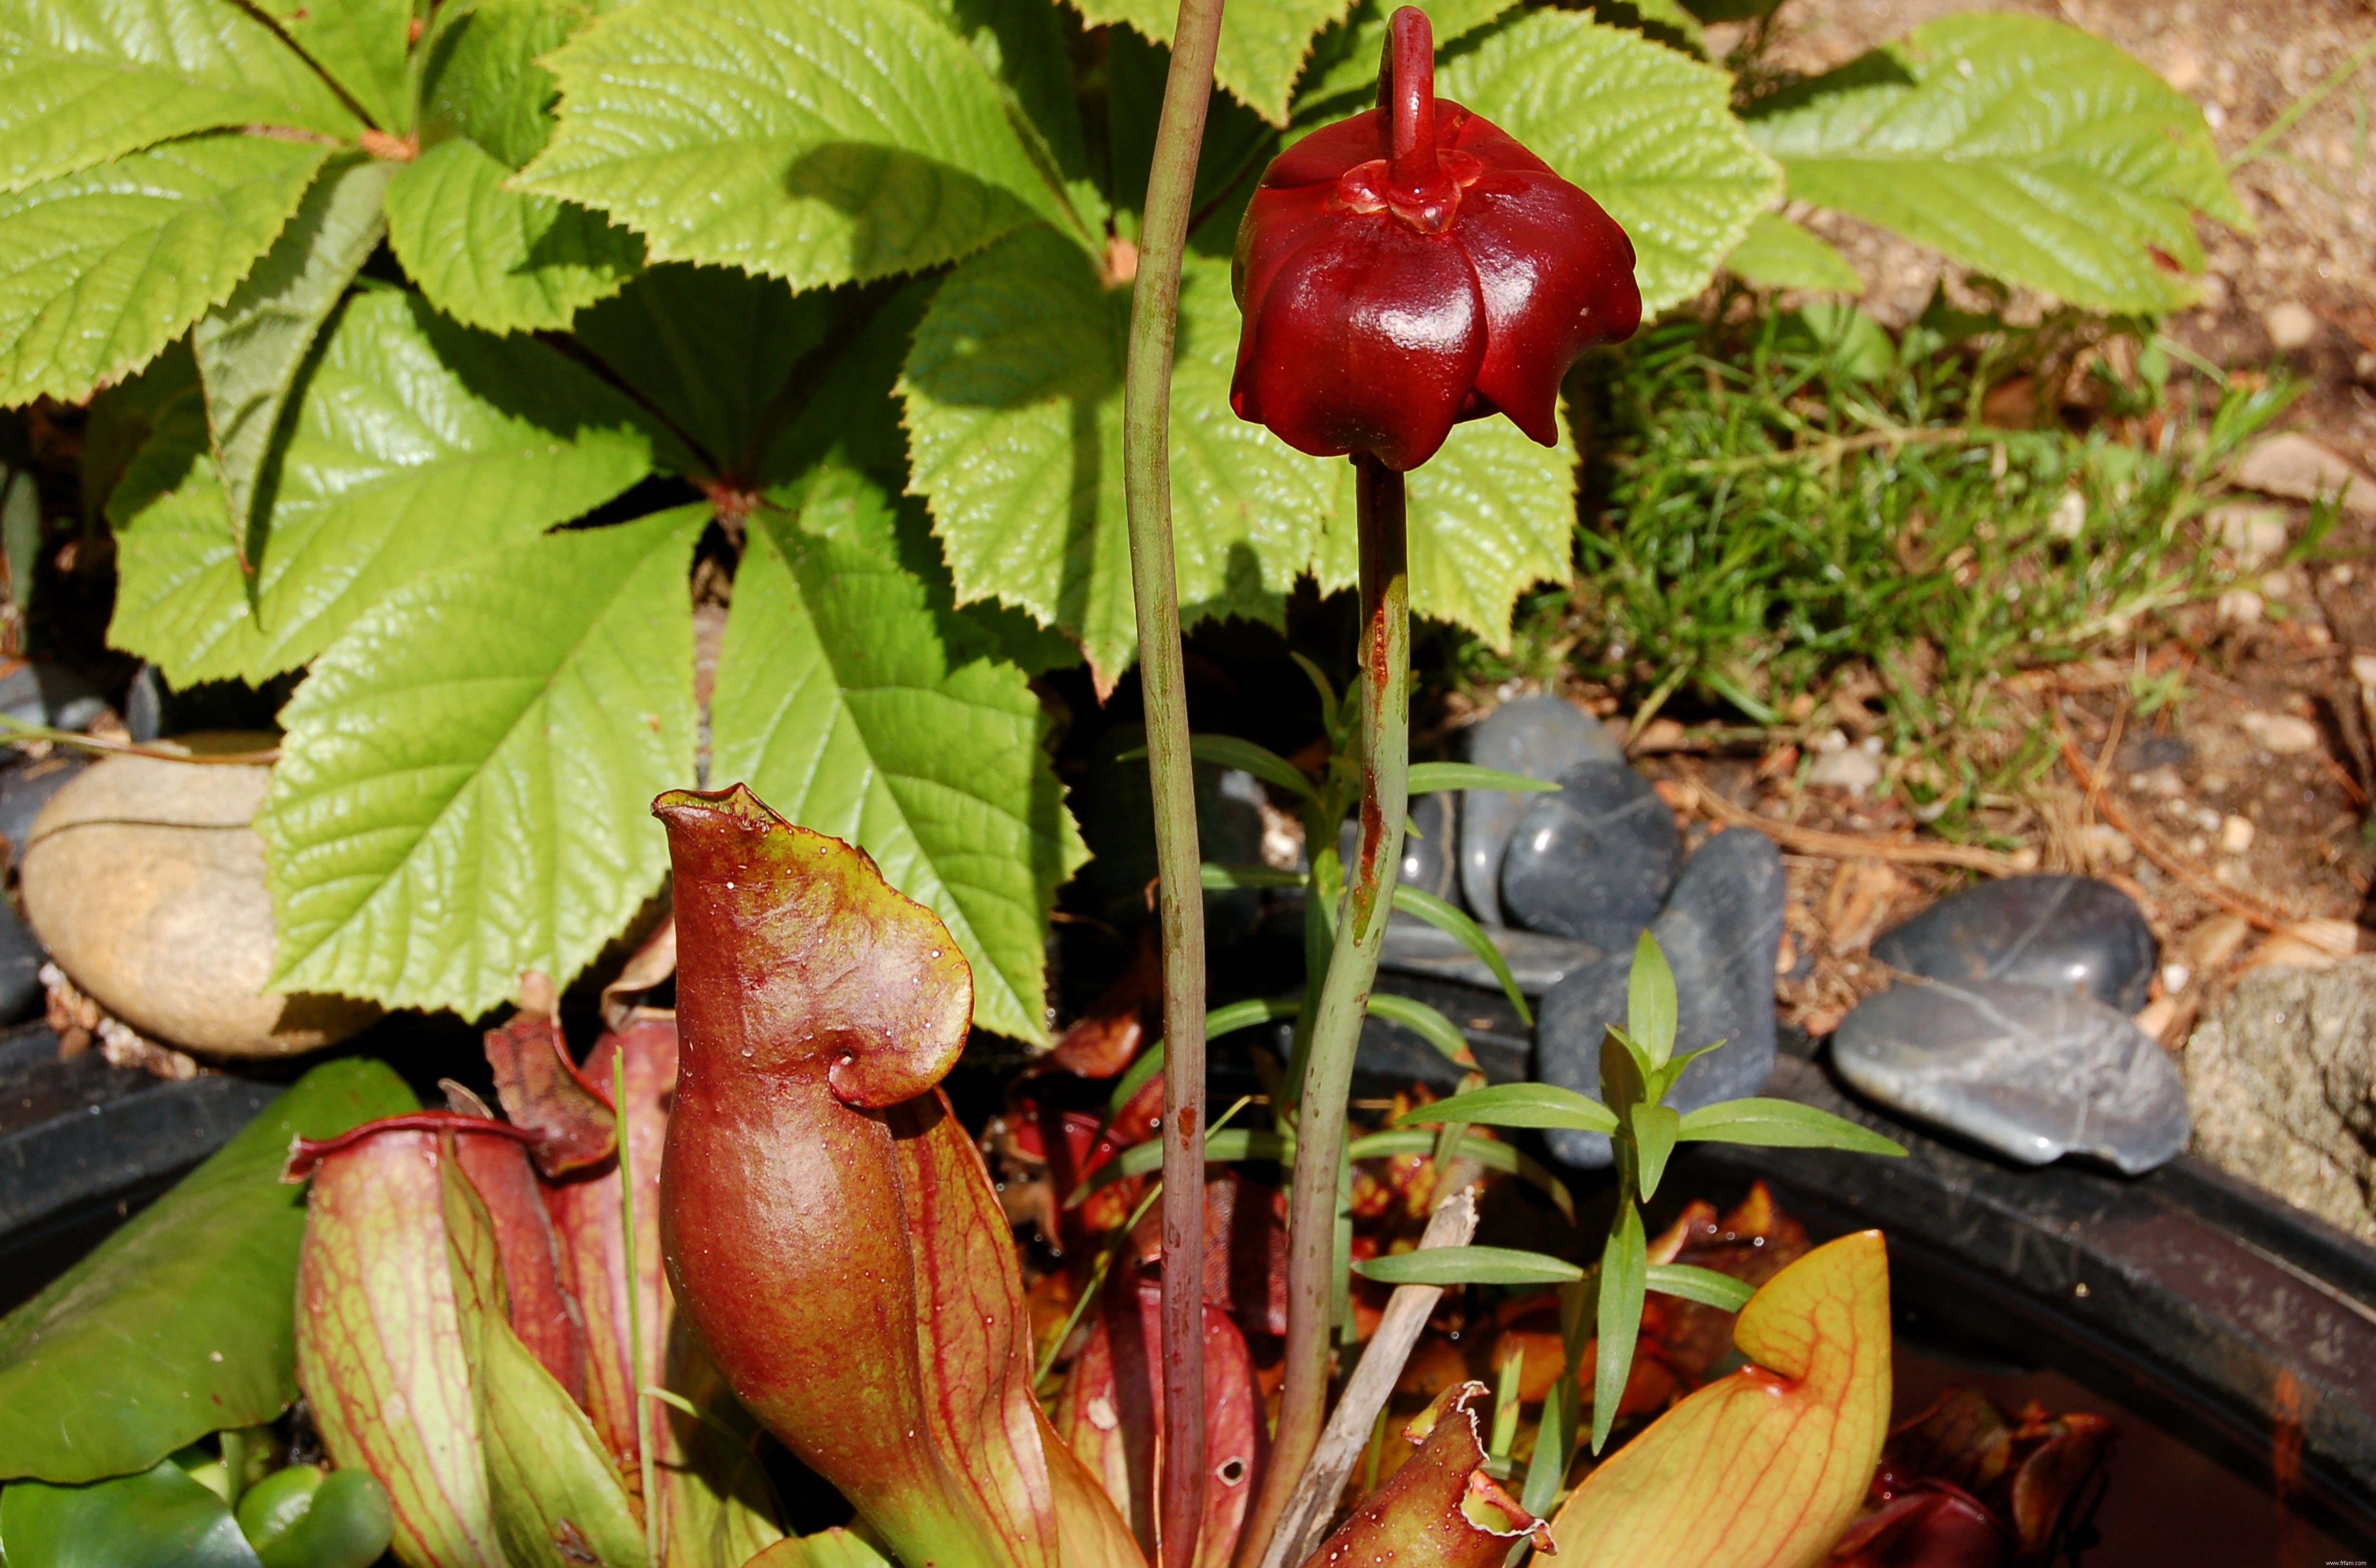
(2237, 817)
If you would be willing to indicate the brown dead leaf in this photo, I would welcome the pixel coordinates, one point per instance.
(2311, 945)
(1859, 898)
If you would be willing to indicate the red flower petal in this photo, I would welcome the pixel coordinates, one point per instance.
(1557, 276)
(1368, 337)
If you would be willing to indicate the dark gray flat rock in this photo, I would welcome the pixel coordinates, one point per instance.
(2032, 1075)
(1721, 931)
(2055, 932)
(25, 786)
(50, 694)
(1538, 962)
(1542, 737)
(20, 969)
(1595, 862)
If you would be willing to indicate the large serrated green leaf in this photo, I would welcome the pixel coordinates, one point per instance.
(823, 143)
(498, 259)
(1648, 132)
(414, 442)
(716, 349)
(251, 347)
(1013, 398)
(1263, 42)
(1491, 513)
(82, 81)
(2016, 144)
(1021, 43)
(485, 255)
(178, 1324)
(100, 269)
(360, 44)
(852, 699)
(1779, 253)
(466, 789)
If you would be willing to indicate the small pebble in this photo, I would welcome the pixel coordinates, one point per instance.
(1853, 769)
(2291, 326)
(2175, 976)
(2281, 732)
(2236, 835)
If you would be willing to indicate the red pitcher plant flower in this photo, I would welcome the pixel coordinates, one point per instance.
(1414, 267)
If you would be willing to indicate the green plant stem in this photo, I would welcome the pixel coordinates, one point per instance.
(634, 1312)
(1146, 490)
(1345, 995)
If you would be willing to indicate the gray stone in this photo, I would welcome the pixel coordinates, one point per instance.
(1721, 931)
(1427, 850)
(2055, 932)
(1595, 862)
(1538, 962)
(1117, 814)
(2282, 1080)
(1542, 737)
(50, 694)
(2033, 1074)
(145, 880)
(20, 969)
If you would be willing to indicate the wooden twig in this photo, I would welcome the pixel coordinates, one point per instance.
(1304, 1521)
(1847, 846)
(2153, 846)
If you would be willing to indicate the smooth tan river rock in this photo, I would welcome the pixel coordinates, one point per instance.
(145, 882)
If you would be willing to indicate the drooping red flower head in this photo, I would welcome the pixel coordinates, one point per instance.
(1414, 267)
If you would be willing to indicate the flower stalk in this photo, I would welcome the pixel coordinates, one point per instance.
(1345, 995)
(1147, 481)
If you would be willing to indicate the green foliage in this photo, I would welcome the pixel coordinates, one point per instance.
(83, 81)
(2018, 146)
(178, 1324)
(158, 1518)
(914, 219)
(831, 142)
(509, 760)
(99, 269)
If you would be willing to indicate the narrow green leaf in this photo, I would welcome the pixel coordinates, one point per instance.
(466, 788)
(1779, 253)
(1427, 777)
(494, 257)
(1780, 1124)
(1013, 407)
(360, 44)
(250, 348)
(1226, 1145)
(158, 1518)
(546, 1468)
(100, 269)
(1625, 1276)
(1425, 1022)
(1217, 878)
(1468, 1266)
(1228, 751)
(1650, 1000)
(1625, 1071)
(1704, 1286)
(2017, 144)
(1493, 1156)
(1489, 514)
(1647, 131)
(853, 699)
(1516, 1105)
(1555, 1448)
(1223, 1020)
(830, 142)
(1263, 42)
(178, 1324)
(1653, 1141)
(414, 443)
(82, 81)
(1455, 922)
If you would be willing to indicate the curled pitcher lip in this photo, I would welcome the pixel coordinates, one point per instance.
(1413, 266)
